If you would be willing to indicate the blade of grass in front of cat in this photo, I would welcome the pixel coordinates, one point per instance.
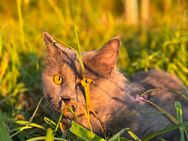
(79, 49)
(27, 123)
(173, 119)
(85, 82)
(179, 114)
(49, 137)
(27, 126)
(20, 130)
(161, 139)
(117, 135)
(77, 54)
(44, 137)
(34, 113)
(85, 85)
(51, 123)
(83, 133)
(166, 130)
(22, 122)
(58, 123)
(4, 135)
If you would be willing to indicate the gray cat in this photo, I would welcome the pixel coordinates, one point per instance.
(116, 101)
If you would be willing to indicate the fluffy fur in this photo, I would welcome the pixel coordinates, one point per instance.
(115, 99)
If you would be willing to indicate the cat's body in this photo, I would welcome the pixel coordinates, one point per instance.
(117, 101)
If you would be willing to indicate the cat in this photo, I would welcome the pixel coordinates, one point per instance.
(118, 102)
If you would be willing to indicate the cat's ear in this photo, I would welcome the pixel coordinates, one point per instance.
(105, 59)
(52, 47)
(55, 50)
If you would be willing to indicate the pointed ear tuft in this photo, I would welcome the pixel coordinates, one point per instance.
(50, 44)
(48, 39)
(105, 59)
(56, 51)
(114, 44)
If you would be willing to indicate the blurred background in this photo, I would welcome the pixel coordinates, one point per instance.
(154, 34)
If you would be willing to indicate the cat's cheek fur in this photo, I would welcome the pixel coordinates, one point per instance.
(51, 90)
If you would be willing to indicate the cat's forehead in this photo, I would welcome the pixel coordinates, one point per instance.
(63, 65)
(66, 54)
(64, 62)
(88, 55)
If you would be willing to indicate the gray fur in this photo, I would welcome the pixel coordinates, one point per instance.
(115, 99)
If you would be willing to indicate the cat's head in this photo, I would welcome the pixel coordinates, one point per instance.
(62, 74)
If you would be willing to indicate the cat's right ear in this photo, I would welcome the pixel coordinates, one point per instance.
(57, 52)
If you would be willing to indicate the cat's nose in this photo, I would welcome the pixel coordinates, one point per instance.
(65, 98)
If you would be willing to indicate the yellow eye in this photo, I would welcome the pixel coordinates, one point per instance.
(86, 82)
(58, 79)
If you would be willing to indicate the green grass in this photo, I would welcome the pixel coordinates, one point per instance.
(162, 45)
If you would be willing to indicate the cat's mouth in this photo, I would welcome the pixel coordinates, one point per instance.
(73, 109)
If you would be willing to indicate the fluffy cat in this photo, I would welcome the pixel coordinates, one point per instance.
(116, 101)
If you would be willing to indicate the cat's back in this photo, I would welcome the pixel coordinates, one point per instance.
(163, 89)
(158, 79)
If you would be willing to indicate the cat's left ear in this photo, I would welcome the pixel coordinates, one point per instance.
(105, 59)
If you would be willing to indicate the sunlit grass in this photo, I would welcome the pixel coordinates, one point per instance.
(162, 46)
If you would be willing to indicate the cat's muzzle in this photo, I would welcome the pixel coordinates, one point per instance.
(65, 99)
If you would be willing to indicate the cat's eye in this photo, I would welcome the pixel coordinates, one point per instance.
(86, 82)
(58, 79)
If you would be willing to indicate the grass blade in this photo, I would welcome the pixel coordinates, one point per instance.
(168, 115)
(117, 135)
(166, 130)
(79, 49)
(19, 10)
(37, 138)
(4, 135)
(51, 123)
(59, 121)
(27, 124)
(179, 113)
(42, 138)
(49, 135)
(36, 109)
(83, 133)
(1, 44)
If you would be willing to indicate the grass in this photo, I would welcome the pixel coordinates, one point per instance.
(163, 45)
